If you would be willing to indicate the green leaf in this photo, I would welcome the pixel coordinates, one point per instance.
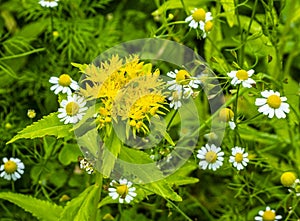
(83, 207)
(229, 9)
(111, 149)
(43, 210)
(69, 153)
(181, 176)
(140, 164)
(163, 189)
(49, 125)
(81, 67)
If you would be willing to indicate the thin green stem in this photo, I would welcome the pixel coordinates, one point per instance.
(172, 118)
(179, 210)
(235, 108)
(22, 54)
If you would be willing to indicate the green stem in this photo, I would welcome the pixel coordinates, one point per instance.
(179, 210)
(235, 108)
(172, 118)
(22, 54)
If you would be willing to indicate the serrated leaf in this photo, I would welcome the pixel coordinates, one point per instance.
(48, 125)
(43, 210)
(83, 207)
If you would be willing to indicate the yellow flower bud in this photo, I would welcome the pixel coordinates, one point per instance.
(288, 179)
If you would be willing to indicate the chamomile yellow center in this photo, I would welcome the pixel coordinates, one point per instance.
(226, 114)
(274, 101)
(238, 157)
(242, 75)
(288, 178)
(211, 157)
(72, 108)
(199, 15)
(208, 26)
(64, 80)
(182, 77)
(122, 190)
(268, 216)
(10, 166)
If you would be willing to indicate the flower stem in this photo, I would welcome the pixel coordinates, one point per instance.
(235, 114)
(179, 210)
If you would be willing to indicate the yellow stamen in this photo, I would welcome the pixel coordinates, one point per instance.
(211, 157)
(64, 80)
(268, 216)
(242, 75)
(239, 158)
(72, 108)
(199, 15)
(10, 166)
(274, 101)
(182, 77)
(208, 26)
(122, 190)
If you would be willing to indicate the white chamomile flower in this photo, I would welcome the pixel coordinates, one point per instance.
(206, 27)
(12, 168)
(268, 214)
(178, 95)
(239, 159)
(122, 190)
(182, 79)
(72, 110)
(48, 3)
(211, 157)
(242, 77)
(64, 84)
(272, 104)
(175, 100)
(198, 16)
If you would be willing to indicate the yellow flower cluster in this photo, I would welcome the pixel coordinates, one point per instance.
(130, 92)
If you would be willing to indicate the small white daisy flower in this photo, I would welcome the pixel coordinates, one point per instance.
(64, 84)
(31, 113)
(12, 168)
(239, 159)
(122, 190)
(272, 104)
(86, 165)
(206, 27)
(242, 77)
(211, 157)
(182, 79)
(48, 3)
(178, 95)
(72, 110)
(197, 16)
(268, 214)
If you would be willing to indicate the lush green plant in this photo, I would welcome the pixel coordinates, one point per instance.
(242, 40)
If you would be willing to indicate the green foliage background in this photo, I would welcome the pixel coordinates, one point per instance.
(37, 43)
